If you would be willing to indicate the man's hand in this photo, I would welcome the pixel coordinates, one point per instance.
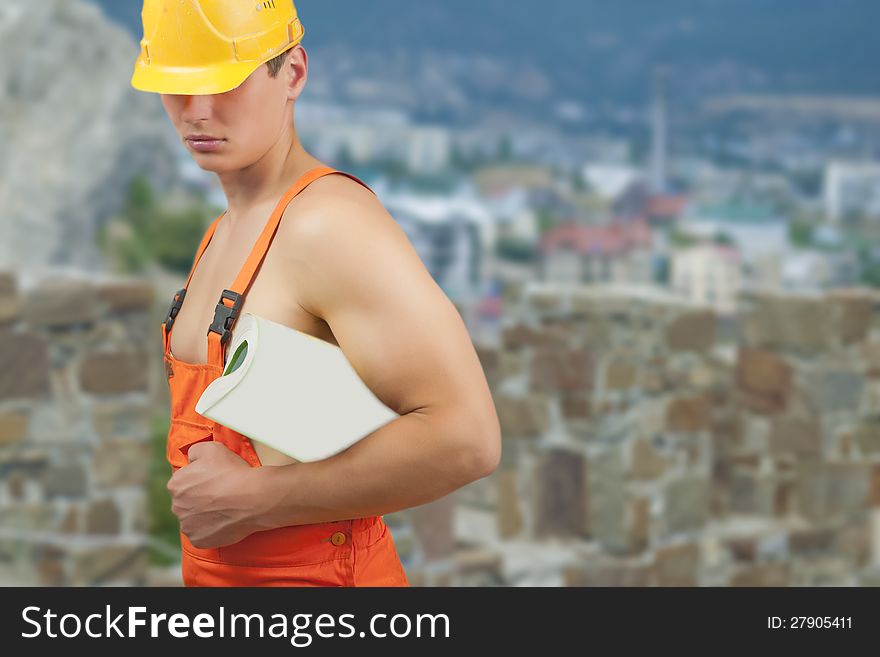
(215, 497)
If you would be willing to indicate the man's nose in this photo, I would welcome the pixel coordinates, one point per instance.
(197, 108)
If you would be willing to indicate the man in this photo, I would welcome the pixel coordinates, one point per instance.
(339, 267)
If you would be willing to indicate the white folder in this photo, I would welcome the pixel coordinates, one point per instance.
(291, 391)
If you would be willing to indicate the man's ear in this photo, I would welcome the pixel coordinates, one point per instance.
(297, 68)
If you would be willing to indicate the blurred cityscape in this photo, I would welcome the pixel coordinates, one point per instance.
(674, 293)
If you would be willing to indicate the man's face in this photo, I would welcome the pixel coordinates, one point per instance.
(245, 121)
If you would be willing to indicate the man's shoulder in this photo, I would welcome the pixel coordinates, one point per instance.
(331, 210)
(331, 226)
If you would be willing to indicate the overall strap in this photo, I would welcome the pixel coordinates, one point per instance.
(230, 302)
(168, 322)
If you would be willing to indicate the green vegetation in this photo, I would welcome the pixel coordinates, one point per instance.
(146, 232)
(678, 238)
(869, 265)
(546, 220)
(800, 234)
(164, 526)
(723, 238)
(516, 249)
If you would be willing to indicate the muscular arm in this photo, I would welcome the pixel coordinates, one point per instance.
(355, 268)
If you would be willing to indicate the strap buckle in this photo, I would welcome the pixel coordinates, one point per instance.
(175, 308)
(225, 316)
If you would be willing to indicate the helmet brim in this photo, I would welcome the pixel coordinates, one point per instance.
(191, 81)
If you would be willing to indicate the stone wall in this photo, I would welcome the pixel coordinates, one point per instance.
(648, 442)
(79, 371)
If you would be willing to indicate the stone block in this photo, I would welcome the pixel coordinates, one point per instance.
(826, 490)
(764, 379)
(13, 428)
(107, 373)
(526, 417)
(685, 414)
(122, 462)
(128, 295)
(510, 519)
(116, 420)
(812, 541)
(757, 493)
(576, 406)
(25, 371)
(621, 373)
(65, 479)
(692, 331)
(557, 369)
(834, 390)
(773, 574)
(560, 500)
(639, 523)
(855, 308)
(433, 525)
(646, 460)
(797, 436)
(607, 500)
(867, 436)
(803, 323)
(10, 300)
(102, 517)
(103, 564)
(606, 573)
(677, 565)
(869, 353)
(61, 302)
(686, 503)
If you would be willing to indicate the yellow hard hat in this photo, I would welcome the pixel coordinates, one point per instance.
(210, 46)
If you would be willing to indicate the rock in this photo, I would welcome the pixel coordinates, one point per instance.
(67, 479)
(526, 417)
(692, 331)
(765, 379)
(64, 172)
(557, 369)
(677, 565)
(10, 300)
(686, 503)
(560, 501)
(510, 520)
(107, 373)
(689, 414)
(13, 428)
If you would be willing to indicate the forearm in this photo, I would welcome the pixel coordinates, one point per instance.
(410, 461)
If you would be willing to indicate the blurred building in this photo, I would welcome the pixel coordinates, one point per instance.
(428, 149)
(818, 271)
(760, 234)
(613, 253)
(448, 235)
(851, 187)
(709, 274)
(610, 180)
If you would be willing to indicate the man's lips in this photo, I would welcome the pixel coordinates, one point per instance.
(203, 138)
(204, 142)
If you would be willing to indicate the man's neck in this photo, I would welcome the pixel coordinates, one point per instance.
(262, 184)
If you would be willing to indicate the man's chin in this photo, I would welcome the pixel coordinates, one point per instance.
(212, 164)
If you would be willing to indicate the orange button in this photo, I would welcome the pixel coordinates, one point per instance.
(338, 538)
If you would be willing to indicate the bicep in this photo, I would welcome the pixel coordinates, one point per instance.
(399, 330)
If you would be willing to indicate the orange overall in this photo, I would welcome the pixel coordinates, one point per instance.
(354, 552)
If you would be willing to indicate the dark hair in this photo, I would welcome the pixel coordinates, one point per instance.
(276, 63)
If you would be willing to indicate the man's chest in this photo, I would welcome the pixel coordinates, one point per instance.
(273, 294)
